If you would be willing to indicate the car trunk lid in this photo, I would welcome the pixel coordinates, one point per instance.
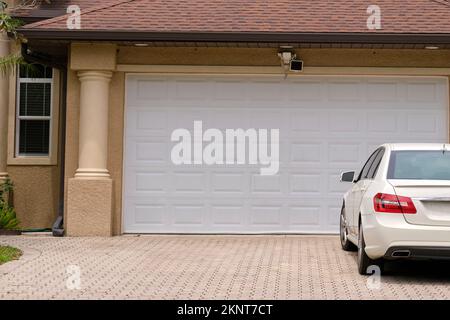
(431, 199)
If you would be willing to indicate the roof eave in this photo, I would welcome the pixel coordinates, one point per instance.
(32, 16)
(274, 37)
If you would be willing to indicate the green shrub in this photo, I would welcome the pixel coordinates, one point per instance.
(5, 189)
(8, 219)
(8, 254)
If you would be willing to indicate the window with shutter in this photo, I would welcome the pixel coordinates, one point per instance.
(34, 111)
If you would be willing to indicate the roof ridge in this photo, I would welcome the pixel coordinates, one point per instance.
(89, 10)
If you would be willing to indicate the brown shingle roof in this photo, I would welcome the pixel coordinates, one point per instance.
(346, 16)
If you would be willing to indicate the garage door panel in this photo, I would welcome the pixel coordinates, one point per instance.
(304, 90)
(426, 124)
(144, 123)
(145, 182)
(344, 90)
(228, 91)
(229, 182)
(327, 125)
(144, 151)
(268, 185)
(151, 151)
(306, 183)
(426, 93)
(265, 92)
(144, 90)
(422, 92)
(191, 89)
(382, 91)
(226, 119)
(157, 218)
(139, 218)
(307, 153)
(333, 215)
(346, 123)
(268, 216)
(268, 119)
(228, 215)
(302, 215)
(189, 214)
(308, 123)
(189, 182)
(206, 215)
(379, 122)
(185, 119)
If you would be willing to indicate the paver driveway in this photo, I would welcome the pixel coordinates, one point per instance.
(207, 267)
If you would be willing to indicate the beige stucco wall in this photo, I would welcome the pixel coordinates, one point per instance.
(35, 194)
(91, 56)
(72, 122)
(268, 57)
(89, 207)
(218, 57)
(115, 145)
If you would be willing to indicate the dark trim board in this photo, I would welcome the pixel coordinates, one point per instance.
(363, 37)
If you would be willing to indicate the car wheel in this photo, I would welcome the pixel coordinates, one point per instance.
(346, 244)
(364, 262)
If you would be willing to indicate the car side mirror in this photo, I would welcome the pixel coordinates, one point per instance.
(348, 176)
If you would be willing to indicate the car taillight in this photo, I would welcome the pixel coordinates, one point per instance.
(391, 203)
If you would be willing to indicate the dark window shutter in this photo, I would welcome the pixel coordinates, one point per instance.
(35, 99)
(34, 137)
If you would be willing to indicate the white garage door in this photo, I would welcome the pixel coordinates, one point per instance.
(327, 125)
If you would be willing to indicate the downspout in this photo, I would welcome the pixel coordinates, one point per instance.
(58, 225)
(40, 58)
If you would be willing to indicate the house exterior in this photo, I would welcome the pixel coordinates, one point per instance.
(90, 138)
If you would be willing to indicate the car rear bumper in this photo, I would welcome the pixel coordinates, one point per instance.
(384, 233)
(419, 253)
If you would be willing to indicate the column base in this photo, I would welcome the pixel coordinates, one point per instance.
(89, 207)
(88, 173)
(3, 176)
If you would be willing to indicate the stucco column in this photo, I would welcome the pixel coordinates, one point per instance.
(93, 143)
(4, 94)
(90, 200)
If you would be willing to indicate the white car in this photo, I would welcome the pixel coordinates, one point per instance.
(398, 206)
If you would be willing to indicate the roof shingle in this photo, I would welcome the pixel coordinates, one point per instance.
(321, 16)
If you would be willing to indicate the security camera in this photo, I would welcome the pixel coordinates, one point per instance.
(286, 57)
(296, 65)
(290, 62)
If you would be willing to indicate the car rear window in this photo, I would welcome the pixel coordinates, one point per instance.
(419, 165)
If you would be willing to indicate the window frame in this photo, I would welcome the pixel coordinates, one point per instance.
(376, 163)
(14, 157)
(19, 117)
(368, 163)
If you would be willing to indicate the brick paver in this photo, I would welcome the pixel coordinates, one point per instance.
(207, 267)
